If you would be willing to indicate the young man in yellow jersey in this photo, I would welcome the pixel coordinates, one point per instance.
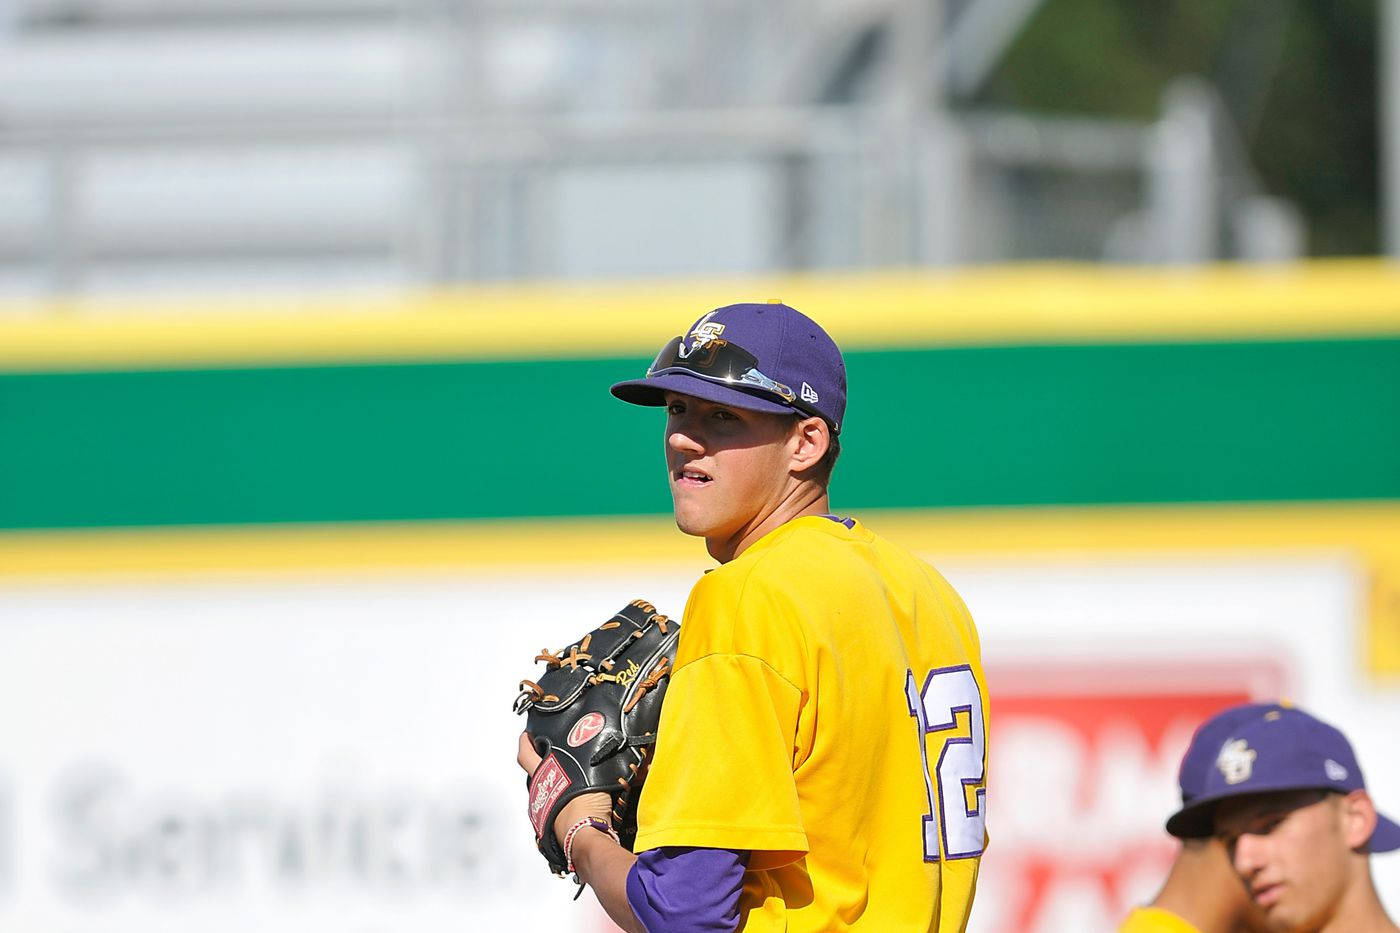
(1287, 800)
(1202, 893)
(821, 758)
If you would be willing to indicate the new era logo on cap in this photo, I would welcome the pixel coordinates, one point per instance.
(809, 394)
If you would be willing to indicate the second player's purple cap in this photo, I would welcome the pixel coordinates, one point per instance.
(1205, 745)
(1273, 748)
(760, 357)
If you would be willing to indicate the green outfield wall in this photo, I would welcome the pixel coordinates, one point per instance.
(927, 427)
(931, 423)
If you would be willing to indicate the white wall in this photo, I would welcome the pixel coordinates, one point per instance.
(338, 754)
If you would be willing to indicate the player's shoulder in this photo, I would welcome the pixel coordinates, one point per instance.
(896, 560)
(816, 555)
(1155, 920)
(795, 552)
(781, 569)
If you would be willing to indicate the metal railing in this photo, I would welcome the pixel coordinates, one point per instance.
(453, 186)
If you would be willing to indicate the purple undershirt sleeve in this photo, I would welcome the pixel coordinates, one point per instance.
(679, 889)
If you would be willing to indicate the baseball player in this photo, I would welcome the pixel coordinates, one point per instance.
(821, 757)
(1286, 798)
(1202, 893)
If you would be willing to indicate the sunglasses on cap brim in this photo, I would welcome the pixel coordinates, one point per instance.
(726, 363)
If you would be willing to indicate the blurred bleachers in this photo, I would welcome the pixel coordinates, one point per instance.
(245, 144)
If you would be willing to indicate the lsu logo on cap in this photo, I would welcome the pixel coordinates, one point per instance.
(702, 333)
(1236, 761)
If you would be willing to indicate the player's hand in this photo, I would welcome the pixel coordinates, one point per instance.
(527, 757)
(584, 805)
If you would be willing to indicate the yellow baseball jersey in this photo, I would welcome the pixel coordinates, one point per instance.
(1155, 920)
(828, 713)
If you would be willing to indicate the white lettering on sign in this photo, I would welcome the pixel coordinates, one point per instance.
(114, 839)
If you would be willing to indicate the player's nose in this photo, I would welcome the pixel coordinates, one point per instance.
(683, 438)
(1248, 856)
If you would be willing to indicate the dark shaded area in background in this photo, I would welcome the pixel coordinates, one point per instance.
(1298, 78)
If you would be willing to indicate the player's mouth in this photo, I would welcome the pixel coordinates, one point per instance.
(1266, 895)
(690, 477)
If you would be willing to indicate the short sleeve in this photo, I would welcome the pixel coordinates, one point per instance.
(681, 890)
(723, 772)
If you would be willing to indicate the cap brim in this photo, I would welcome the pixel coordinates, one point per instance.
(1196, 818)
(652, 391)
(1386, 838)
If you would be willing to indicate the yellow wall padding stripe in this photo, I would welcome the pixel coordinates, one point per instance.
(530, 545)
(1366, 533)
(1026, 304)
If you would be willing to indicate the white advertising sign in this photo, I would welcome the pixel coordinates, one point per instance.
(338, 754)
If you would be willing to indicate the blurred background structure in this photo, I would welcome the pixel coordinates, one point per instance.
(307, 308)
(196, 144)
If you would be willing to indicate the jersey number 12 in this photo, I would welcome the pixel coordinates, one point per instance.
(946, 692)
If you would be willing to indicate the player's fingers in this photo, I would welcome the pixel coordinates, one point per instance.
(527, 757)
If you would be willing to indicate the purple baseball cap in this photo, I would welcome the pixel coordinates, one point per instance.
(760, 357)
(1210, 735)
(1273, 748)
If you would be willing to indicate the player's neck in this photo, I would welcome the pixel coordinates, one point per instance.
(1201, 890)
(1360, 910)
(1200, 898)
(805, 498)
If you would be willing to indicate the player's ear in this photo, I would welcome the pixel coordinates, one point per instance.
(812, 437)
(1358, 816)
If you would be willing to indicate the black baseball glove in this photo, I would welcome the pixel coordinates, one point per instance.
(593, 718)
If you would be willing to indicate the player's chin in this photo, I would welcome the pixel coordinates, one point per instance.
(689, 526)
(692, 520)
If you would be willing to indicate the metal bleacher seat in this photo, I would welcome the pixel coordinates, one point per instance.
(188, 143)
(200, 139)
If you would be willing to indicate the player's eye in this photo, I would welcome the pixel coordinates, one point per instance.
(675, 408)
(1260, 827)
